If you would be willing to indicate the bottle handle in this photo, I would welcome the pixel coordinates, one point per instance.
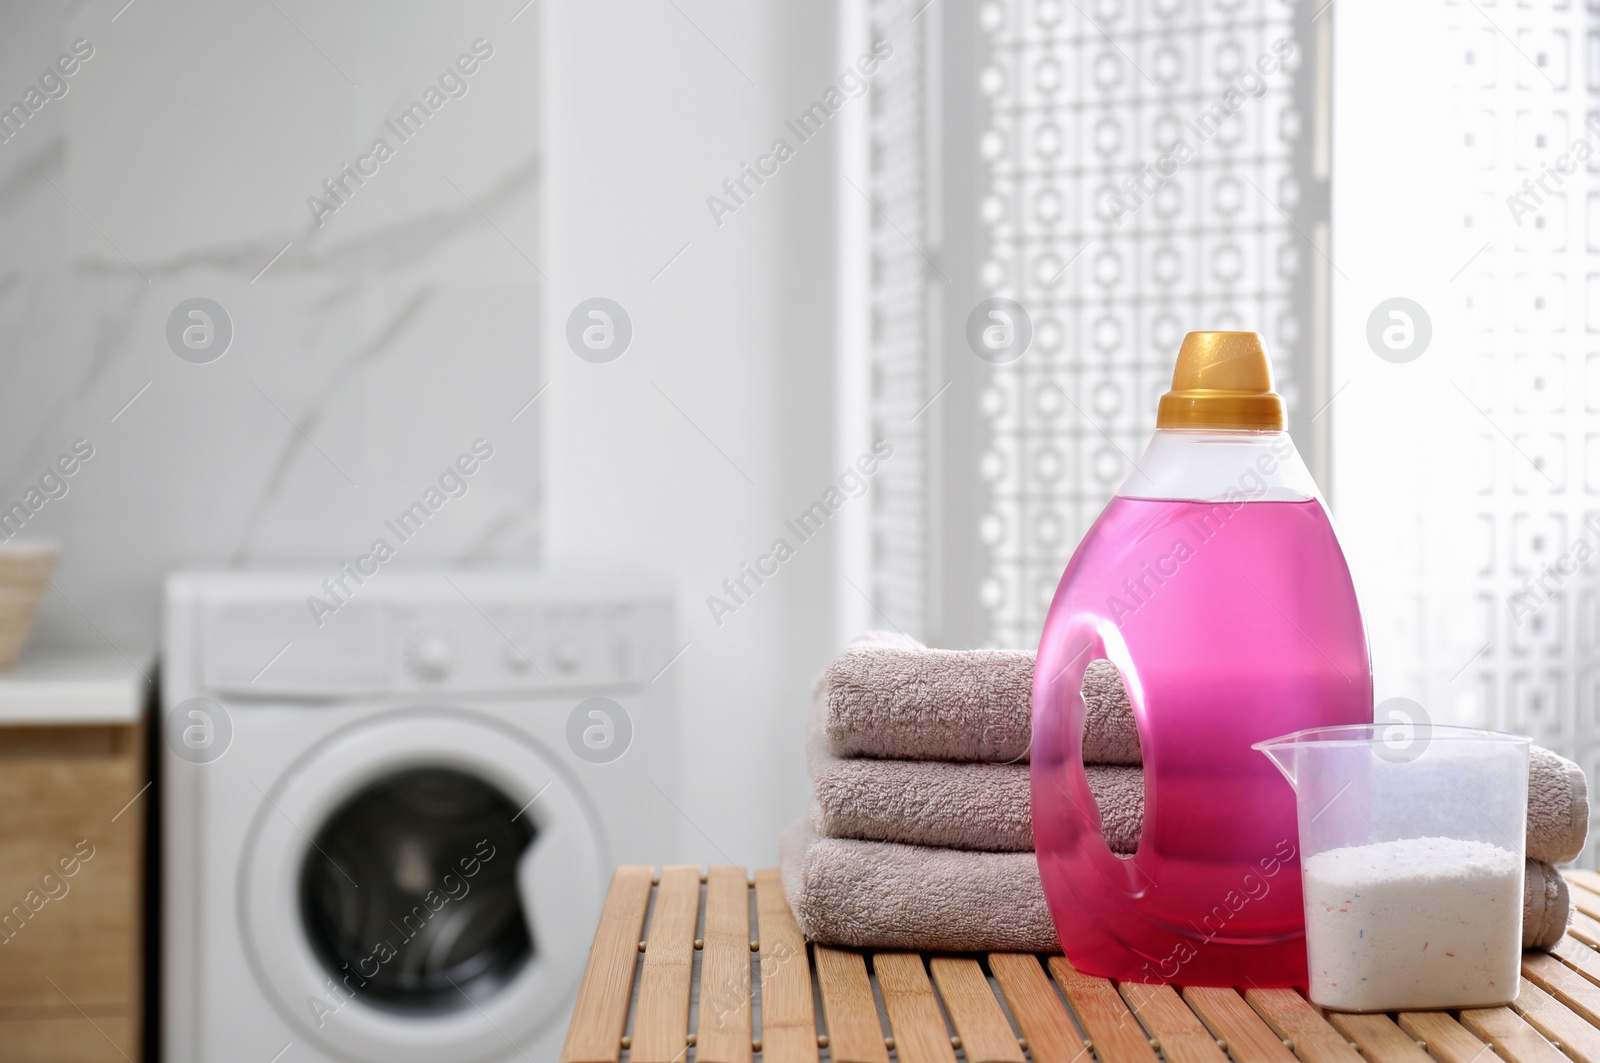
(1059, 716)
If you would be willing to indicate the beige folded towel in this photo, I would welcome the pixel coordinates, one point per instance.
(887, 696)
(1558, 807)
(867, 894)
(887, 896)
(988, 807)
(1546, 906)
(956, 806)
(911, 703)
(900, 700)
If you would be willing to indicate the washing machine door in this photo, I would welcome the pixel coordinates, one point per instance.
(422, 886)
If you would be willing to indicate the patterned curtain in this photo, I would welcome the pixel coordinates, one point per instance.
(1121, 171)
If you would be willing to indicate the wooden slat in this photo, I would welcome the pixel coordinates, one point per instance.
(1565, 983)
(1052, 1038)
(1511, 1037)
(1558, 1023)
(1578, 956)
(1179, 1035)
(722, 1034)
(1585, 928)
(919, 1032)
(986, 1036)
(788, 1018)
(1038, 1010)
(1584, 900)
(1115, 1033)
(1378, 1038)
(1589, 880)
(1444, 1038)
(1297, 1022)
(601, 1013)
(661, 1015)
(1245, 1035)
(854, 1034)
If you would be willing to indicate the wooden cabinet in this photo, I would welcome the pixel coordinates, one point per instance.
(72, 810)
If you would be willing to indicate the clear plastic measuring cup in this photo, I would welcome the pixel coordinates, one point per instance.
(1411, 854)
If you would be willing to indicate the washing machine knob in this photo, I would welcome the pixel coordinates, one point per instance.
(516, 660)
(430, 658)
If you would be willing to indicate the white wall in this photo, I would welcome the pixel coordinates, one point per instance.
(392, 336)
(645, 119)
(408, 324)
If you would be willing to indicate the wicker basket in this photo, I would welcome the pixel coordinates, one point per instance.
(25, 566)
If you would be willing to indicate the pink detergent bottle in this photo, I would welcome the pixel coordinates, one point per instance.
(1215, 584)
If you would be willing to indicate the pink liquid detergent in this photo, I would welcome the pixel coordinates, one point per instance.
(1231, 622)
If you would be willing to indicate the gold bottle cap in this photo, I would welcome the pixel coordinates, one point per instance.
(1222, 380)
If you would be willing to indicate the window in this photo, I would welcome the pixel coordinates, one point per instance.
(1406, 205)
(1051, 131)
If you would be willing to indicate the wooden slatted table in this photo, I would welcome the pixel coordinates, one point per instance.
(709, 967)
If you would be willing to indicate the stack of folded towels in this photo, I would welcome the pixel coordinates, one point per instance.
(921, 832)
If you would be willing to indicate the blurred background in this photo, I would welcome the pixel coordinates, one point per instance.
(680, 264)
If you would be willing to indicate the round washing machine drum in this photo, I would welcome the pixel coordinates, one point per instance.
(386, 892)
(422, 886)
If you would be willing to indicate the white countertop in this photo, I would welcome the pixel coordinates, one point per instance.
(54, 685)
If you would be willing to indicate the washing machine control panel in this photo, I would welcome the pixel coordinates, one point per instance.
(474, 639)
(522, 646)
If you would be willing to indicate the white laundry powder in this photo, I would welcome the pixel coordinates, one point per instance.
(1418, 923)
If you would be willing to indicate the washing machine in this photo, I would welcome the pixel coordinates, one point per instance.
(391, 802)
